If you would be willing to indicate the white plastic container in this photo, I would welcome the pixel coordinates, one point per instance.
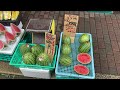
(37, 73)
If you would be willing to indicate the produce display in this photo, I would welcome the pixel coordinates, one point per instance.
(9, 15)
(65, 59)
(75, 51)
(35, 54)
(10, 37)
(83, 57)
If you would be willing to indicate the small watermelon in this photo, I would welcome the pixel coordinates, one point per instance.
(65, 60)
(66, 49)
(25, 48)
(84, 47)
(66, 40)
(37, 49)
(43, 59)
(80, 69)
(83, 38)
(29, 58)
(84, 58)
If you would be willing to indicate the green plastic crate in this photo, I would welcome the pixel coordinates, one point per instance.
(65, 77)
(4, 57)
(28, 37)
(18, 63)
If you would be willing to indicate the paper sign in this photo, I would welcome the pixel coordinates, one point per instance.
(50, 42)
(70, 25)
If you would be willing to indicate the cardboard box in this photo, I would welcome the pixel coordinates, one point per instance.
(38, 27)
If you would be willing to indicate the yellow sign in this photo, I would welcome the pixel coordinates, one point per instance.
(53, 27)
(50, 41)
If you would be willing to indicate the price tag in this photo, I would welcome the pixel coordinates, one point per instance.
(70, 25)
(50, 42)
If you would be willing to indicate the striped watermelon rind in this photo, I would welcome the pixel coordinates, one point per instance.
(29, 58)
(84, 38)
(43, 59)
(84, 58)
(66, 40)
(66, 49)
(65, 60)
(37, 49)
(84, 47)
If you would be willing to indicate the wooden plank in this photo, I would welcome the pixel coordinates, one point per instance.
(7, 69)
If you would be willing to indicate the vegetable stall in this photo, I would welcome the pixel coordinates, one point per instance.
(71, 59)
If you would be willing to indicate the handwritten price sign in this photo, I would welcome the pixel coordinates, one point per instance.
(50, 42)
(70, 25)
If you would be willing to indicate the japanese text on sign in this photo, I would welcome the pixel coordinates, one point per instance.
(50, 41)
(70, 25)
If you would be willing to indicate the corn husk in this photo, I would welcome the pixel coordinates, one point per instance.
(1, 15)
(14, 15)
(7, 15)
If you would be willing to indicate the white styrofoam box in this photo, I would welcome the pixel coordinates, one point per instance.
(37, 73)
(20, 25)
